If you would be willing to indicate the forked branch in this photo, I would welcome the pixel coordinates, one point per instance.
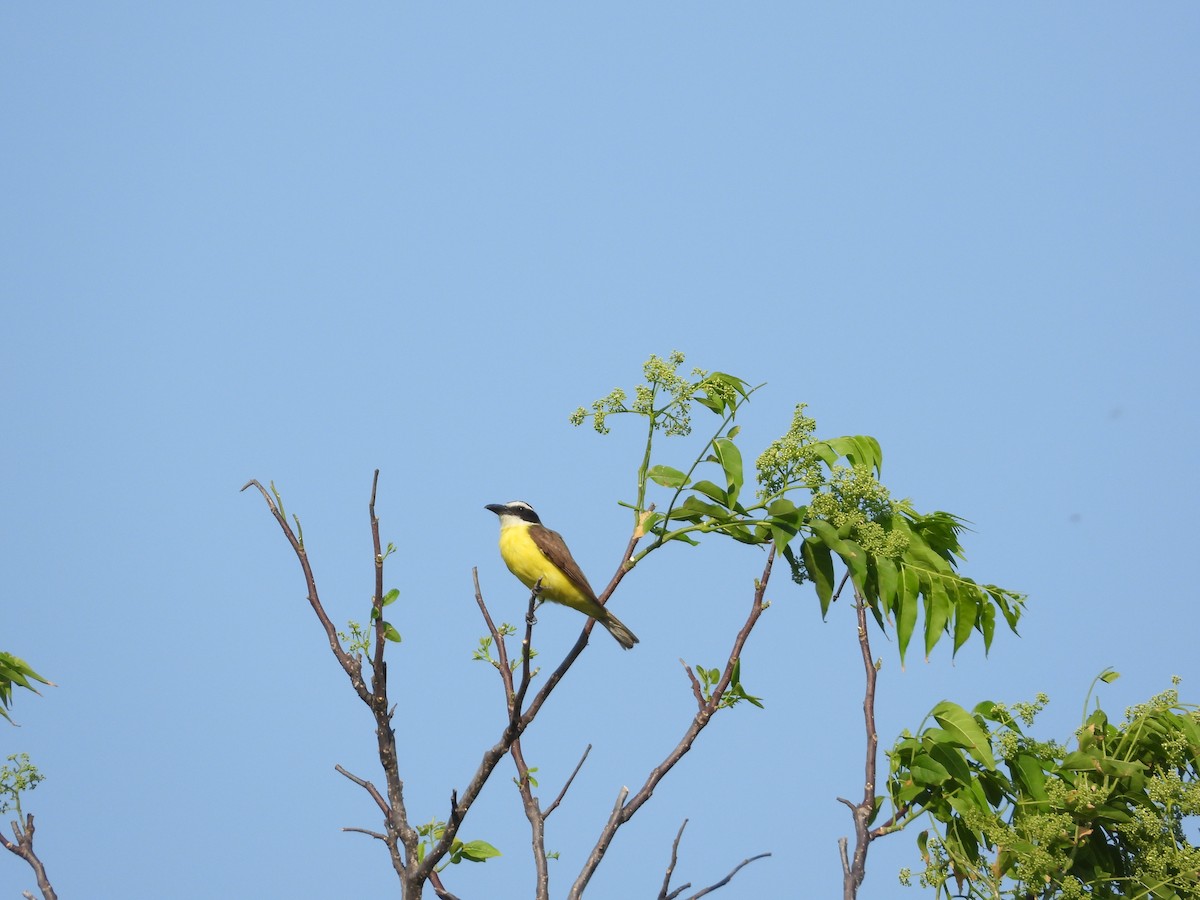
(667, 894)
(624, 809)
(23, 847)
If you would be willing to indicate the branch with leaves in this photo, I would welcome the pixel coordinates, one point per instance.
(19, 775)
(1013, 816)
(816, 501)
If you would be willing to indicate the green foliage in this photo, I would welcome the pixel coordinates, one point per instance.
(734, 692)
(18, 776)
(1015, 817)
(901, 563)
(357, 639)
(14, 671)
(483, 653)
(460, 851)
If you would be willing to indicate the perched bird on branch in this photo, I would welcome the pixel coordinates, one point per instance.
(536, 554)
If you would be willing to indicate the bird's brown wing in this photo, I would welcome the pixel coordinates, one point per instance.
(554, 548)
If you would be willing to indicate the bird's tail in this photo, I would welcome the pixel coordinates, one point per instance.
(617, 629)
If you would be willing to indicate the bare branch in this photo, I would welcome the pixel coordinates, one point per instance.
(369, 788)
(841, 584)
(695, 684)
(396, 817)
(527, 650)
(374, 834)
(23, 847)
(498, 640)
(351, 665)
(666, 885)
(664, 895)
(557, 800)
(728, 878)
(625, 811)
(435, 880)
(537, 823)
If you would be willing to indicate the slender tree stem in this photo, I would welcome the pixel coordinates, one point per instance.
(854, 868)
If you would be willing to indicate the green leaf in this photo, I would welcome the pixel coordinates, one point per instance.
(478, 851)
(988, 625)
(1028, 772)
(965, 613)
(859, 450)
(1121, 768)
(937, 613)
(819, 563)
(390, 632)
(928, 771)
(1080, 761)
(965, 731)
(787, 511)
(710, 490)
(693, 505)
(730, 459)
(907, 600)
(888, 579)
(686, 539)
(391, 596)
(952, 760)
(667, 477)
(781, 533)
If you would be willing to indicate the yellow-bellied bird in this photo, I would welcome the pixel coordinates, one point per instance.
(532, 552)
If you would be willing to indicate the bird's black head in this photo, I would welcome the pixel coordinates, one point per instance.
(518, 509)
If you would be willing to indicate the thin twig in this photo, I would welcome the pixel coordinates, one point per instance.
(527, 650)
(695, 684)
(501, 648)
(368, 787)
(366, 831)
(623, 812)
(728, 878)
(351, 666)
(557, 800)
(666, 885)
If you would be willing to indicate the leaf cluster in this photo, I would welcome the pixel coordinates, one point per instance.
(1015, 817)
(734, 693)
(460, 851)
(818, 502)
(16, 777)
(14, 671)
(357, 639)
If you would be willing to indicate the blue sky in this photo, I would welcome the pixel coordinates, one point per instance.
(299, 242)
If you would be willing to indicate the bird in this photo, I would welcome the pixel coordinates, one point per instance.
(536, 554)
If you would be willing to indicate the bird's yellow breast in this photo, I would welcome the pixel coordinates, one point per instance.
(528, 563)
